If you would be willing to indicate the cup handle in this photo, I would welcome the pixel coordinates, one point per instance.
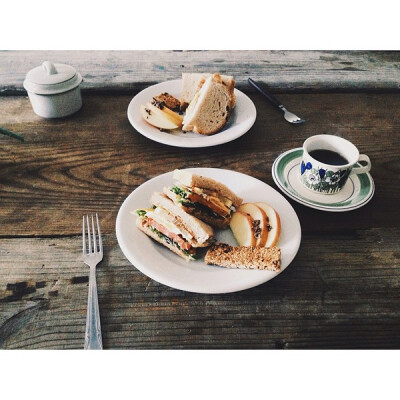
(362, 170)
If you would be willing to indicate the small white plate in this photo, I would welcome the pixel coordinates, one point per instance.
(242, 119)
(357, 191)
(160, 264)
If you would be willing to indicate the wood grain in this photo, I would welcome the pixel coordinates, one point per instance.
(93, 160)
(343, 293)
(281, 70)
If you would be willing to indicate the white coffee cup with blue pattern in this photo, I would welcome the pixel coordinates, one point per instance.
(328, 161)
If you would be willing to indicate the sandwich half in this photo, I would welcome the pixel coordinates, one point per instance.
(171, 226)
(211, 106)
(192, 82)
(203, 197)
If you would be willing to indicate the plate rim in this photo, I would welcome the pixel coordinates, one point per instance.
(136, 263)
(213, 139)
(310, 203)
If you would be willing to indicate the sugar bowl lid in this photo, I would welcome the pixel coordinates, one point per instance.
(52, 78)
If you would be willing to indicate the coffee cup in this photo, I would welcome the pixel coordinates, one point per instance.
(328, 161)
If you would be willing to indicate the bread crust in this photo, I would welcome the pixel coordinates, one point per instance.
(194, 118)
(242, 257)
(149, 232)
(200, 131)
(190, 81)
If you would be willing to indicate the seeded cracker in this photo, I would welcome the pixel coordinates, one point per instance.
(261, 258)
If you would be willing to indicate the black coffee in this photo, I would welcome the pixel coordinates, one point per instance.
(328, 157)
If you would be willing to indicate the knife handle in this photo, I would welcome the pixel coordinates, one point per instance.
(266, 94)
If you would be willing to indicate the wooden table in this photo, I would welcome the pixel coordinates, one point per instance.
(342, 289)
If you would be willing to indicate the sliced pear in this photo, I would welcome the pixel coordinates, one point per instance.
(178, 119)
(274, 222)
(259, 216)
(156, 117)
(242, 228)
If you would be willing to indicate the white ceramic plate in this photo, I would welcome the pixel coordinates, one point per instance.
(160, 264)
(241, 120)
(358, 190)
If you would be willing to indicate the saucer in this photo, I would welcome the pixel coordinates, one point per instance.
(357, 191)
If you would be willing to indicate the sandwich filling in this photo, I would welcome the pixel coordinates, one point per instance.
(169, 228)
(204, 200)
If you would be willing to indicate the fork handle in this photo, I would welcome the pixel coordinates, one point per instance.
(93, 340)
(266, 94)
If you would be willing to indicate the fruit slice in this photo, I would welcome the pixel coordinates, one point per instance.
(274, 223)
(175, 117)
(242, 228)
(259, 216)
(158, 118)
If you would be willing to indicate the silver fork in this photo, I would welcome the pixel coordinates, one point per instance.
(289, 116)
(92, 255)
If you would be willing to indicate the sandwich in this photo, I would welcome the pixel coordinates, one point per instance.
(245, 257)
(171, 226)
(211, 106)
(192, 82)
(203, 197)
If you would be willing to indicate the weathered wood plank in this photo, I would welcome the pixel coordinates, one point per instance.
(93, 160)
(318, 302)
(280, 70)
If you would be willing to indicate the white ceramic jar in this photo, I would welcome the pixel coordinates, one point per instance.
(53, 90)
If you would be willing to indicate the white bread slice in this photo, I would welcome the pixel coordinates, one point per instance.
(242, 228)
(260, 258)
(201, 231)
(187, 178)
(210, 108)
(273, 224)
(191, 83)
(221, 223)
(145, 229)
(259, 222)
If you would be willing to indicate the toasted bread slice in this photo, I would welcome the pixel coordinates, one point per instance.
(260, 258)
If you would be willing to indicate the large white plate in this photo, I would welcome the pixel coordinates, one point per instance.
(160, 264)
(241, 120)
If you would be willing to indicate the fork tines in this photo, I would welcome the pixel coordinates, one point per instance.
(94, 246)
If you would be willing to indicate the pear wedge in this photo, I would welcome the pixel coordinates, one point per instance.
(242, 228)
(259, 216)
(158, 118)
(274, 222)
